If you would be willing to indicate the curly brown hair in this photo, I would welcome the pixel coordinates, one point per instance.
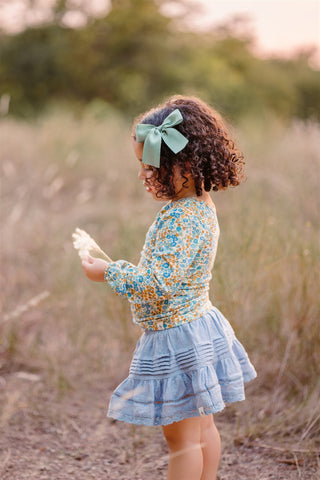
(210, 154)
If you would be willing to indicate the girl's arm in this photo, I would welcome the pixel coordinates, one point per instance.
(178, 240)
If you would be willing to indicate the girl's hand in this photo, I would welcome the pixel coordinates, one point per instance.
(94, 268)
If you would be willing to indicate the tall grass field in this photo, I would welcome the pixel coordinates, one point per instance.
(63, 171)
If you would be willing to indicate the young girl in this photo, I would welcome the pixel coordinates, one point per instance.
(188, 362)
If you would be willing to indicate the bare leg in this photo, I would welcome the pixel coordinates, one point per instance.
(211, 447)
(183, 439)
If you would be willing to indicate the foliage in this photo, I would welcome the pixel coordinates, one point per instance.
(135, 56)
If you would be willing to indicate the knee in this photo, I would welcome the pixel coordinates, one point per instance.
(181, 438)
(175, 440)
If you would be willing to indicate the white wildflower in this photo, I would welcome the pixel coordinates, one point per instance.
(20, 309)
(85, 244)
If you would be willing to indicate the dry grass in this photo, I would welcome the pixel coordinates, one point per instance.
(61, 172)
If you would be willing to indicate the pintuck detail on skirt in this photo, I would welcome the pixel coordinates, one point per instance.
(187, 371)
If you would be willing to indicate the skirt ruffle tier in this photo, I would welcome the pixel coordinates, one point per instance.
(191, 370)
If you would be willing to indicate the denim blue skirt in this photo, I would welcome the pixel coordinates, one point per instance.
(186, 371)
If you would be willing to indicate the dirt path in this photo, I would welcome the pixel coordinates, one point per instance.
(44, 437)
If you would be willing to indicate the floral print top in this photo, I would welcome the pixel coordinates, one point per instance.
(170, 284)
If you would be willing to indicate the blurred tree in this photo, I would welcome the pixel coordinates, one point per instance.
(30, 65)
(135, 55)
(123, 57)
(307, 85)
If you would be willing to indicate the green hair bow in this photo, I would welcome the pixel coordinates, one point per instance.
(152, 137)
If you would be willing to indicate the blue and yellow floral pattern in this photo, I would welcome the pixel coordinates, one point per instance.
(170, 284)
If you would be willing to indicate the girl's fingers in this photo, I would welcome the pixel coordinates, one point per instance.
(94, 268)
(88, 260)
(84, 264)
(88, 263)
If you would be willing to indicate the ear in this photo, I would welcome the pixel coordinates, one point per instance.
(177, 170)
(188, 169)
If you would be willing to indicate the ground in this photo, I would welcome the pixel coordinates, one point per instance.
(50, 437)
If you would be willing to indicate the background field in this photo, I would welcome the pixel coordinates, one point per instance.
(64, 339)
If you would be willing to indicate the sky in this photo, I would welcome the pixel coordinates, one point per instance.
(279, 26)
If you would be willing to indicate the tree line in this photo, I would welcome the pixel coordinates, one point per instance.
(134, 56)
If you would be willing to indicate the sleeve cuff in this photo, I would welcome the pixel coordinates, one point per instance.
(106, 273)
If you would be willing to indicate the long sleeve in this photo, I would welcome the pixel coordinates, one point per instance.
(178, 235)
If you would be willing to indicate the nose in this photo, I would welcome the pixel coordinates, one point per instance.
(141, 174)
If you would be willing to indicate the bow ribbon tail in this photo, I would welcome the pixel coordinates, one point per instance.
(174, 139)
(152, 148)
